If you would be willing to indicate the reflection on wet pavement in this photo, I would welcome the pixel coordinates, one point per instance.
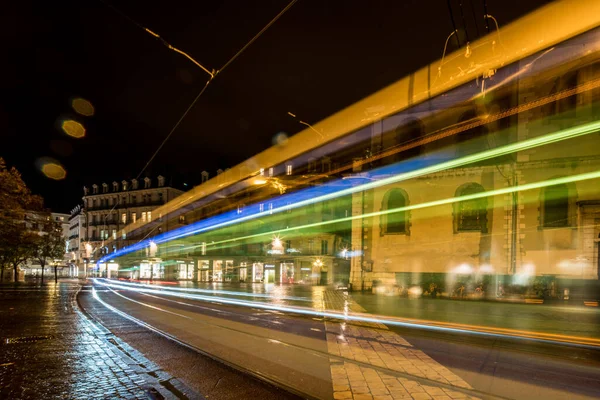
(50, 350)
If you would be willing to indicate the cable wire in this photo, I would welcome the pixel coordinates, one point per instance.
(256, 36)
(212, 74)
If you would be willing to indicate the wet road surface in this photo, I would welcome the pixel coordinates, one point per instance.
(292, 348)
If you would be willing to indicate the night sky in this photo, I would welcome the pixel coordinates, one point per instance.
(321, 56)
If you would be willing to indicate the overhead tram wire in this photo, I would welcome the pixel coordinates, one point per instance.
(474, 18)
(485, 13)
(453, 24)
(212, 75)
(462, 16)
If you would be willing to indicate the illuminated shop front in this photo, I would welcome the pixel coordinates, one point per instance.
(204, 270)
(186, 271)
(257, 272)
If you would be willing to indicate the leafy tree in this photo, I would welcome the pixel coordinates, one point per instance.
(49, 244)
(16, 241)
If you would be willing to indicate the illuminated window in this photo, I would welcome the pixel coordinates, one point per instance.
(144, 216)
(261, 207)
(114, 234)
(470, 215)
(271, 171)
(203, 248)
(133, 217)
(262, 172)
(149, 216)
(555, 206)
(182, 219)
(270, 208)
(288, 169)
(124, 218)
(124, 185)
(394, 222)
(124, 236)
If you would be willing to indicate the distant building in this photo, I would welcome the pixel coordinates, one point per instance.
(75, 248)
(107, 209)
(33, 268)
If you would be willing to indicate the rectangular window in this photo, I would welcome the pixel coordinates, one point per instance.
(288, 169)
(124, 236)
(324, 246)
(114, 234)
(149, 216)
(270, 208)
(124, 218)
(261, 207)
(203, 248)
(144, 216)
(262, 172)
(133, 217)
(271, 172)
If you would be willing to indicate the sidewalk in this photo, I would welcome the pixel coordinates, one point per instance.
(385, 365)
(51, 350)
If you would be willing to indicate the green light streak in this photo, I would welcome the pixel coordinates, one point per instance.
(529, 186)
(565, 134)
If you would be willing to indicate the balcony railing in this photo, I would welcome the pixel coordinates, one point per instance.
(126, 205)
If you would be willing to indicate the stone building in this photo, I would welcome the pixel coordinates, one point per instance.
(109, 208)
(540, 215)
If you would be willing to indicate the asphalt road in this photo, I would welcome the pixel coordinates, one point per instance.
(292, 349)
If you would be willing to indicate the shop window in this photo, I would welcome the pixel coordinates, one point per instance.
(394, 222)
(555, 206)
(470, 215)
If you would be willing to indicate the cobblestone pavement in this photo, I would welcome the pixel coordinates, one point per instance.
(51, 350)
(385, 365)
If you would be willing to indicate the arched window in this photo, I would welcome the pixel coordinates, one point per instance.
(555, 206)
(395, 222)
(470, 214)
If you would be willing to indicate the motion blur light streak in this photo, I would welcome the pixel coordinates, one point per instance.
(73, 128)
(536, 185)
(358, 317)
(291, 200)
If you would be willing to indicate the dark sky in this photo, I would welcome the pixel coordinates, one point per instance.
(321, 56)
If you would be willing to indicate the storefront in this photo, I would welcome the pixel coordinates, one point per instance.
(204, 270)
(186, 271)
(257, 272)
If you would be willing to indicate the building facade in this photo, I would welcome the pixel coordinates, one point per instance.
(107, 209)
